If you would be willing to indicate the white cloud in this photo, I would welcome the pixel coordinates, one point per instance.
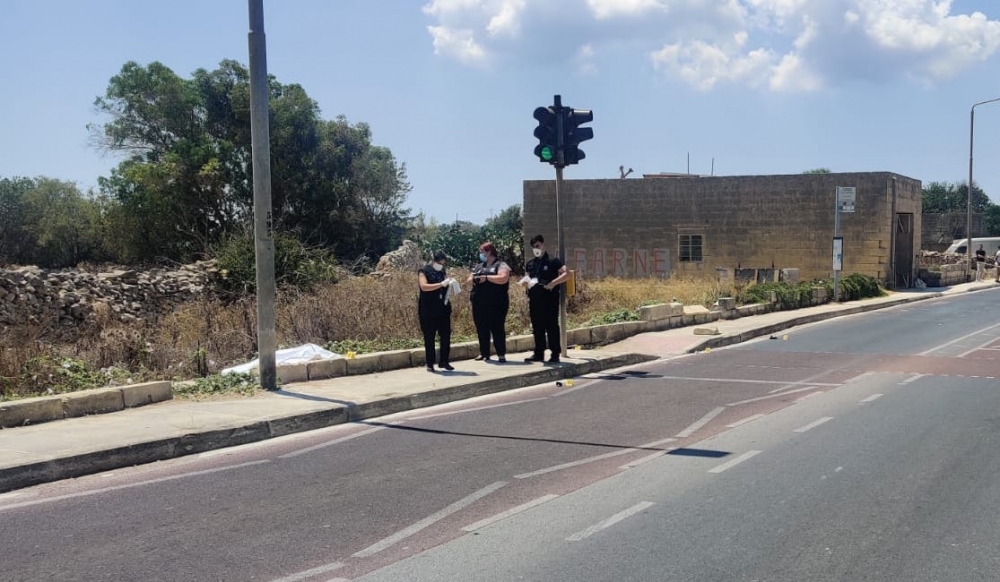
(457, 44)
(603, 9)
(777, 45)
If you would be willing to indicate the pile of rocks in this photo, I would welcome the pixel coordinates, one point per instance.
(407, 258)
(32, 296)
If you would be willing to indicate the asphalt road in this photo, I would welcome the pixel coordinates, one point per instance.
(864, 448)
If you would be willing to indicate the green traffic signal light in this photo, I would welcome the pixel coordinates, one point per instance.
(547, 135)
(547, 154)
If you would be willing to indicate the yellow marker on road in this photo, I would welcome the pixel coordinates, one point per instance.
(785, 337)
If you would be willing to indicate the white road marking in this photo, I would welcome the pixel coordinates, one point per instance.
(310, 573)
(428, 521)
(733, 462)
(331, 443)
(130, 485)
(769, 396)
(806, 381)
(871, 398)
(701, 422)
(814, 424)
(514, 511)
(982, 346)
(584, 534)
(745, 420)
(646, 459)
(746, 381)
(958, 339)
(838, 469)
(594, 459)
(477, 409)
(912, 378)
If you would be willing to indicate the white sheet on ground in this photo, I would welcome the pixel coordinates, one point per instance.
(298, 355)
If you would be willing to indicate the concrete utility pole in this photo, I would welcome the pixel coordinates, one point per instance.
(263, 236)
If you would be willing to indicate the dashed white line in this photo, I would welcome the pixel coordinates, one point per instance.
(645, 459)
(310, 573)
(733, 462)
(514, 511)
(130, 485)
(701, 422)
(912, 378)
(331, 443)
(428, 521)
(747, 381)
(744, 421)
(584, 534)
(871, 398)
(814, 424)
(779, 395)
(593, 459)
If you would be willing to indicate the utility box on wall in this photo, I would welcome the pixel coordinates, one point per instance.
(658, 227)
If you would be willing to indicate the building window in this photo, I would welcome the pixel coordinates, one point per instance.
(690, 248)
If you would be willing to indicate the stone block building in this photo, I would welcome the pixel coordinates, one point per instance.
(687, 225)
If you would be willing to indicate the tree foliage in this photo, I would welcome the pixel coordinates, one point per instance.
(945, 198)
(186, 183)
(460, 240)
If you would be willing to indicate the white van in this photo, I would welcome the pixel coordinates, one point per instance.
(990, 245)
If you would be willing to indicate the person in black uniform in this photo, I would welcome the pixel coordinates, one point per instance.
(543, 300)
(490, 301)
(433, 311)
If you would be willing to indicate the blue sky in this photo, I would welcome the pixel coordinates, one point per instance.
(761, 86)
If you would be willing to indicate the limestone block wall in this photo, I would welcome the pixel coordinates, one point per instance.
(634, 228)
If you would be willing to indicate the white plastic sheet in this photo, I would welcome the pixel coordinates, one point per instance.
(298, 355)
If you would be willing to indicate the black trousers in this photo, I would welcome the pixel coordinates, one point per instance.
(544, 312)
(436, 325)
(490, 321)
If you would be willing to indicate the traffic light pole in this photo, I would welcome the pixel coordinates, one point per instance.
(562, 256)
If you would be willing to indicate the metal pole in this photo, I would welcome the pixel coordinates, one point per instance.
(968, 200)
(263, 238)
(560, 162)
(836, 233)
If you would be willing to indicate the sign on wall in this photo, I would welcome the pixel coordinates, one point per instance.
(846, 196)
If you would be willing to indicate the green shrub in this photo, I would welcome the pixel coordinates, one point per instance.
(616, 316)
(295, 264)
(216, 384)
(857, 286)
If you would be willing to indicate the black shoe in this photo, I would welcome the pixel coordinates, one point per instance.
(447, 366)
(535, 358)
(481, 358)
(430, 367)
(553, 360)
(502, 360)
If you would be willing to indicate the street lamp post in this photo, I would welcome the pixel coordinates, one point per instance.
(968, 201)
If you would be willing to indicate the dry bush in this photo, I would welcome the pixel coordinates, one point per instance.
(208, 335)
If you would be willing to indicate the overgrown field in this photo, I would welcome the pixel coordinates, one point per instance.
(361, 314)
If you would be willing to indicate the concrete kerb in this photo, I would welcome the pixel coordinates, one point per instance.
(198, 442)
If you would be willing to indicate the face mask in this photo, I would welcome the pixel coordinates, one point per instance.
(482, 257)
(538, 252)
(437, 266)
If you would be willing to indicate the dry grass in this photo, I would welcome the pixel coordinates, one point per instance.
(206, 336)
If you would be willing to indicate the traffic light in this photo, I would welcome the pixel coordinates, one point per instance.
(574, 134)
(547, 134)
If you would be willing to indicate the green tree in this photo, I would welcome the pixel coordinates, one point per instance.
(506, 232)
(14, 243)
(945, 198)
(187, 180)
(818, 171)
(56, 225)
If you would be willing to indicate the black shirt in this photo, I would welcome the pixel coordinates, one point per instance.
(981, 255)
(488, 293)
(431, 303)
(545, 269)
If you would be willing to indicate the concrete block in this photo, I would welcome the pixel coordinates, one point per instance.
(288, 373)
(146, 393)
(819, 293)
(660, 311)
(418, 357)
(97, 401)
(676, 308)
(613, 332)
(327, 369)
(363, 364)
(579, 336)
(464, 351)
(789, 275)
(394, 360)
(727, 303)
(646, 326)
(523, 343)
(30, 411)
(706, 331)
(687, 319)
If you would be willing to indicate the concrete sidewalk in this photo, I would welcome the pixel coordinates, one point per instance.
(31, 455)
